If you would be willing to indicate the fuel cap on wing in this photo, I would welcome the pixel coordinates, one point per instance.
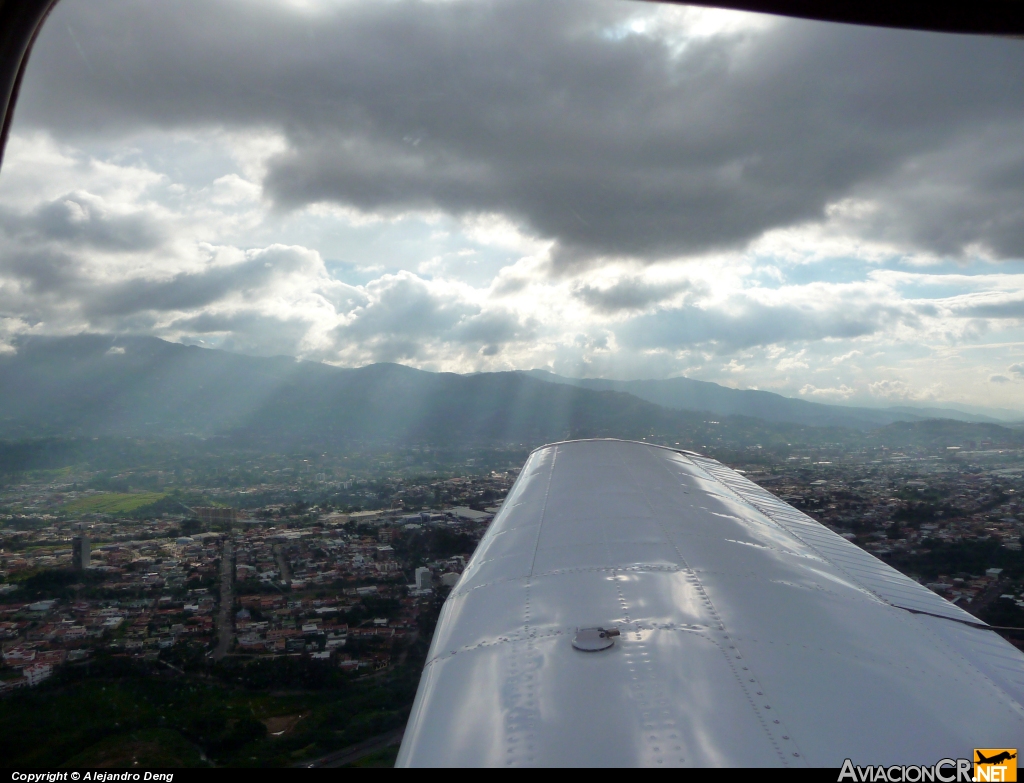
(594, 639)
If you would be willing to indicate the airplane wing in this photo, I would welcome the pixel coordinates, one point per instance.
(749, 634)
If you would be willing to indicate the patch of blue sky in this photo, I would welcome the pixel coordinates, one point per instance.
(773, 272)
(943, 286)
(976, 267)
(943, 278)
(362, 251)
(379, 246)
(183, 158)
(934, 288)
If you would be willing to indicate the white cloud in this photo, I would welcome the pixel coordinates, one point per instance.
(791, 363)
(173, 259)
(846, 357)
(647, 235)
(891, 389)
(843, 392)
(232, 189)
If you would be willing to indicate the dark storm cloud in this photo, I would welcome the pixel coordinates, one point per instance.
(54, 274)
(492, 328)
(406, 315)
(628, 293)
(192, 290)
(405, 307)
(608, 143)
(42, 271)
(80, 219)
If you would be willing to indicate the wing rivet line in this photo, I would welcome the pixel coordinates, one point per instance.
(699, 588)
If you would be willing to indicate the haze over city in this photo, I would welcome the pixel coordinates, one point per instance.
(600, 189)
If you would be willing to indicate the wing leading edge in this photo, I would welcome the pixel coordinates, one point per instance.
(751, 635)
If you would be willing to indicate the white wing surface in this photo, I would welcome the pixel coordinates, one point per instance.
(751, 635)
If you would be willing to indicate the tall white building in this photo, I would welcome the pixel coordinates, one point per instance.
(80, 552)
(423, 579)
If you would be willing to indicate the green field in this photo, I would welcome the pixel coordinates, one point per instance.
(113, 503)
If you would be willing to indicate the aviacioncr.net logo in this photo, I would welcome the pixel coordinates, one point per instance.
(995, 764)
(945, 771)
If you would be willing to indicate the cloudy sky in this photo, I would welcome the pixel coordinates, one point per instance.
(599, 188)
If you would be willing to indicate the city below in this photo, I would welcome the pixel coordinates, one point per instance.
(272, 584)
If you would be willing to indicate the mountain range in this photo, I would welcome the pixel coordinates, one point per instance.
(694, 395)
(97, 385)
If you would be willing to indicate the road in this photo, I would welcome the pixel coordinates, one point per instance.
(355, 752)
(225, 617)
(976, 606)
(282, 565)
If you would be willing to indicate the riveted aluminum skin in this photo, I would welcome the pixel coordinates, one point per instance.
(751, 635)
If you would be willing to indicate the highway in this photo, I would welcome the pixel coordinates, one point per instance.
(355, 752)
(225, 616)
